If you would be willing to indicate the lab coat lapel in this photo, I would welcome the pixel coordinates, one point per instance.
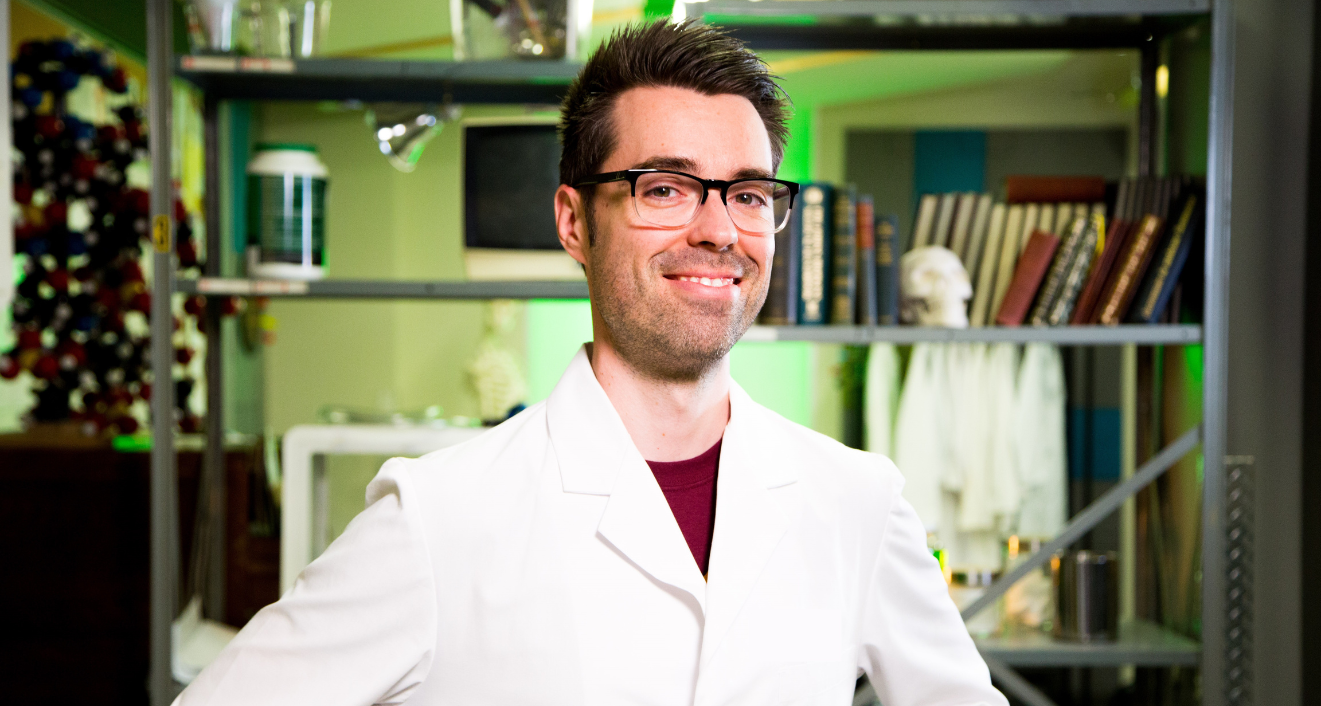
(597, 457)
(754, 509)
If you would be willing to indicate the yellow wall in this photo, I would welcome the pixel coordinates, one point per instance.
(380, 224)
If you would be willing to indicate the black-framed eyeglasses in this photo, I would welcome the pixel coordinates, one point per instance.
(670, 199)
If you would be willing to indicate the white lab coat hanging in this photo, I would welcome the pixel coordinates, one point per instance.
(540, 564)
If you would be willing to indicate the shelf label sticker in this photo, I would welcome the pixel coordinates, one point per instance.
(160, 233)
(209, 63)
(215, 285)
(266, 65)
(273, 286)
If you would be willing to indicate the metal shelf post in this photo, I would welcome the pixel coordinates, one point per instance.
(1215, 331)
(164, 511)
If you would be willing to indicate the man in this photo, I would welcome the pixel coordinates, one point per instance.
(649, 534)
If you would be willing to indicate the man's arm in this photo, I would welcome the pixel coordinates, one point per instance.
(357, 628)
(916, 650)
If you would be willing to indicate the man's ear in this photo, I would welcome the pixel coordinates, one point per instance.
(571, 222)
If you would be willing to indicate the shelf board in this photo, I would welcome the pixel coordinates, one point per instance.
(1140, 643)
(376, 80)
(949, 24)
(1146, 334)
(383, 289)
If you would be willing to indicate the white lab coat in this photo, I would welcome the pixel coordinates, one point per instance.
(540, 564)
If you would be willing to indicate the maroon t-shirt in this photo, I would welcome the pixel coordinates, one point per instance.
(690, 488)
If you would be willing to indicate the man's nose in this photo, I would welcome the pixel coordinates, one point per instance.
(713, 227)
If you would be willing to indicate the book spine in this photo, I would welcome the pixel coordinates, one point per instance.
(814, 257)
(1115, 238)
(983, 289)
(944, 220)
(925, 221)
(1164, 276)
(1059, 270)
(1031, 224)
(1073, 280)
(981, 222)
(1123, 284)
(1032, 266)
(1008, 257)
(962, 227)
(887, 270)
(844, 272)
(781, 307)
(866, 228)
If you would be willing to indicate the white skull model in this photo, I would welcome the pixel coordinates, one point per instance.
(934, 288)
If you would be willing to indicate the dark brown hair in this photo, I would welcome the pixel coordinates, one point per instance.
(687, 55)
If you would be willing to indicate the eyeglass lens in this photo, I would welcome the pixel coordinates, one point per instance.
(672, 200)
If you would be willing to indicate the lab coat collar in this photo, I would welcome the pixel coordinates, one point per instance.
(597, 457)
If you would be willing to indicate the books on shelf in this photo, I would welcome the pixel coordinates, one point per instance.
(1098, 254)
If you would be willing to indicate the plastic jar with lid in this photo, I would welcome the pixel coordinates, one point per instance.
(286, 212)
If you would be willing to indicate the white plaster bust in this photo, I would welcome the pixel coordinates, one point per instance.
(934, 288)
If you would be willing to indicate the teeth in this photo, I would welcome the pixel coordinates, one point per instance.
(708, 281)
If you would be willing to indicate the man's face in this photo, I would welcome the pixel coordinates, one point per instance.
(673, 301)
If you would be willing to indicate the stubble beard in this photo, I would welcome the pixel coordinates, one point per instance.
(655, 332)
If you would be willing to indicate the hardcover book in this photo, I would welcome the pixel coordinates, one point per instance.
(1008, 258)
(781, 307)
(983, 288)
(1059, 268)
(815, 253)
(1163, 276)
(1120, 226)
(1060, 309)
(962, 228)
(844, 272)
(1024, 189)
(887, 270)
(866, 229)
(944, 220)
(1032, 266)
(925, 221)
(981, 221)
(1121, 288)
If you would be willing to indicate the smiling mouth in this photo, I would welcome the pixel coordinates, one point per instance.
(706, 281)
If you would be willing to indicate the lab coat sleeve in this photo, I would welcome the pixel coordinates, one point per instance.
(915, 648)
(357, 628)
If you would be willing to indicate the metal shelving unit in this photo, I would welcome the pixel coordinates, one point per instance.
(1180, 335)
(768, 24)
(227, 77)
(1140, 643)
(383, 289)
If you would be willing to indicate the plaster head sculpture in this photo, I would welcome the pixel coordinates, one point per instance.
(934, 288)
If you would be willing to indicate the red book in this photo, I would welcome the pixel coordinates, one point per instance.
(1091, 292)
(1054, 189)
(1028, 274)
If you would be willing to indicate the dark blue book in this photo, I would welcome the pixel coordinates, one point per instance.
(816, 231)
(781, 307)
(887, 269)
(1163, 274)
(844, 272)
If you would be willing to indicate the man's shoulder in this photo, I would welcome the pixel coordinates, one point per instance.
(513, 445)
(820, 459)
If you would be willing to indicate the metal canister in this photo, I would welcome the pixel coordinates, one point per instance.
(1086, 595)
(286, 212)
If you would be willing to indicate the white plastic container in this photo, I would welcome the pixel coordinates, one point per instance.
(286, 212)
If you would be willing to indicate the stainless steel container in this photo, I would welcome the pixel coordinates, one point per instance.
(1086, 587)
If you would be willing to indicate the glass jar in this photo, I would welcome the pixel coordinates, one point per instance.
(519, 29)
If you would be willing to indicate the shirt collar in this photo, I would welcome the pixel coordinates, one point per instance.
(592, 444)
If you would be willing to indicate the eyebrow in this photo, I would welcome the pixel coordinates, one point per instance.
(683, 164)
